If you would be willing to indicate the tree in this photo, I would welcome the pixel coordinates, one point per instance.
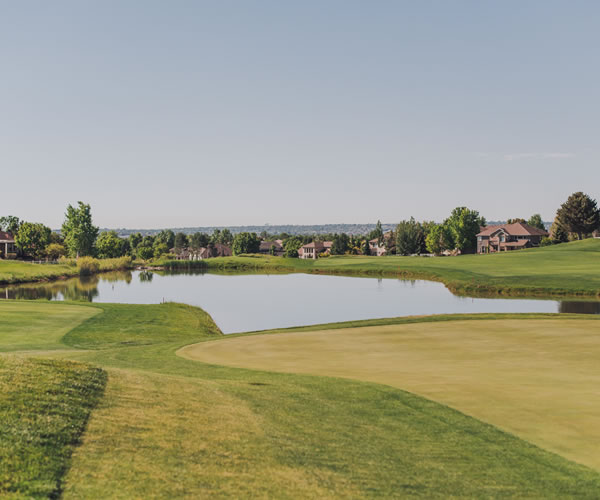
(438, 239)
(464, 225)
(134, 240)
(579, 215)
(167, 237)
(78, 231)
(109, 245)
(226, 237)
(409, 237)
(536, 221)
(10, 224)
(160, 249)
(340, 244)
(181, 240)
(245, 243)
(199, 240)
(557, 233)
(377, 233)
(365, 247)
(32, 239)
(55, 250)
(291, 246)
(144, 252)
(515, 221)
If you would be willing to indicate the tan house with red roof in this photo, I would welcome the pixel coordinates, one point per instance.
(8, 249)
(312, 250)
(506, 237)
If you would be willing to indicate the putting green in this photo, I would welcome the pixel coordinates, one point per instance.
(536, 378)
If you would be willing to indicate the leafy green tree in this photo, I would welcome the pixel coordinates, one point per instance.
(148, 240)
(181, 240)
(215, 237)
(464, 225)
(134, 240)
(167, 237)
(409, 237)
(199, 240)
(160, 249)
(32, 239)
(291, 246)
(438, 239)
(10, 224)
(226, 237)
(516, 220)
(579, 215)
(109, 245)
(245, 243)
(78, 231)
(340, 244)
(144, 252)
(55, 250)
(536, 221)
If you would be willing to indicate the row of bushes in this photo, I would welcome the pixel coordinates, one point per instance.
(90, 265)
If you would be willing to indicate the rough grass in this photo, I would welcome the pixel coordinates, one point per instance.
(44, 408)
(566, 269)
(535, 378)
(15, 271)
(172, 427)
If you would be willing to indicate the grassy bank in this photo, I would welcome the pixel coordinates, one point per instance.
(172, 427)
(567, 269)
(44, 409)
(17, 271)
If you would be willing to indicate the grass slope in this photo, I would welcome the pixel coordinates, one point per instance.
(15, 271)
(536, 378)
(566, 269)
(44, 408)
(171, 427)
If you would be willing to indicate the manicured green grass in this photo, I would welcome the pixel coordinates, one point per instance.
(535, 378)
(38, 326)
(44, 408)
(172, 427)
(15, 271)
(566, 269)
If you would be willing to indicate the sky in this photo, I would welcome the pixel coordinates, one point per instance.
(193, 113)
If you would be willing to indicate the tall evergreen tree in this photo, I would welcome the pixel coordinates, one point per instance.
(579, 215)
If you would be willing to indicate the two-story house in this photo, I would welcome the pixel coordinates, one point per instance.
(506, 237)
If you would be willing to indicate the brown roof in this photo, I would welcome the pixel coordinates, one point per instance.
(266, 245)
(6, 237)
(517, 229)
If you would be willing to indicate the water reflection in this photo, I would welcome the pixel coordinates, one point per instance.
(252, 301)
(84, 288)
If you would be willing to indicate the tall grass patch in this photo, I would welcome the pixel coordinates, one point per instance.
(44, 409)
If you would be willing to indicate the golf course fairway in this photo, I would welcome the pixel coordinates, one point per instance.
(535, 378)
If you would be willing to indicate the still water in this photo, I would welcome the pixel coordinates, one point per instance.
(240, 303)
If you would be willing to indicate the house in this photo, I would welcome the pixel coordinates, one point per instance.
(276, 246)
(8, 249)
(506, 237)
(381, 248)
(312, 250)
(216, 250)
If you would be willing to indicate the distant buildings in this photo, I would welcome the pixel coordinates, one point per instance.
(274, 247)
(216, 250)
(506, 237)
(379, 248)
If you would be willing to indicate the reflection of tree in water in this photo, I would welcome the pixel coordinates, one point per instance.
(146, 276)
(579, 307)
(115, 276)
(83, 289)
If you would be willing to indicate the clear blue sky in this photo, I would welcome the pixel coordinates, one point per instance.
(223, 113)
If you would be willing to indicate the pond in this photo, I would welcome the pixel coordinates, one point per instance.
(240, 303)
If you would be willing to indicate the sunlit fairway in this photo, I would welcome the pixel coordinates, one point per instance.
(172, 427)
(537, 378)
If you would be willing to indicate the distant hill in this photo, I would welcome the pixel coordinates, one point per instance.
(356, 229)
